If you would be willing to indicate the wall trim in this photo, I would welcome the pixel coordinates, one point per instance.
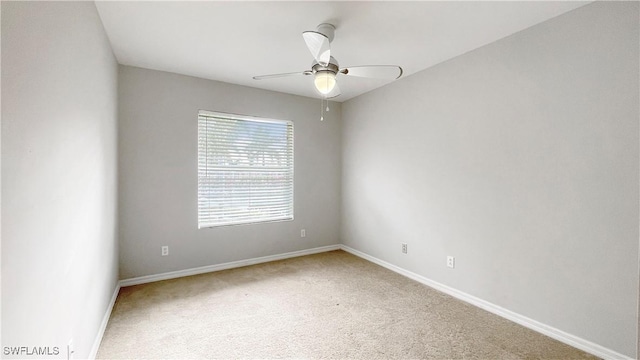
(105, 321)
(224, 266)
(537, 326)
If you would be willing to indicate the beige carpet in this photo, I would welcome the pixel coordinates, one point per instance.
(330, 305)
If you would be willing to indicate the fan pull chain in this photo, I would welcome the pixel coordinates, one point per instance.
(323, 109)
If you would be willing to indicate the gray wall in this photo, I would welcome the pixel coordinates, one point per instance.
(158, 173)
(59, 247)
(521, 160)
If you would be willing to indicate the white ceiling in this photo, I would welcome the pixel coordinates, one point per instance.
(234, 41)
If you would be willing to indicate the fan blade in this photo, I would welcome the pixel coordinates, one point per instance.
(273, 76)
(374, 71)
(334, 93)
(319, 46)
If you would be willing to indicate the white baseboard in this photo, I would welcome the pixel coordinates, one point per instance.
(105, 321)
(547, 330)
(225, 266)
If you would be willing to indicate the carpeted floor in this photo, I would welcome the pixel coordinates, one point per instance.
(330, 305)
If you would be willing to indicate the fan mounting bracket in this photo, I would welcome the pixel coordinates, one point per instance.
(327, 30)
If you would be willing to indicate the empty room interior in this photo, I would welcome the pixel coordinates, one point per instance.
(318, 179)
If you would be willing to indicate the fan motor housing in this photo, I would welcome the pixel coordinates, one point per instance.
(332, 66)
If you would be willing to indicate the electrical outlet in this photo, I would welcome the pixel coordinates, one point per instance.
(303, 233)
(451, 262)
(404, 248)
(165, 250)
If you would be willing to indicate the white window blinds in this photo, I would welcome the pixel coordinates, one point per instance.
(245, 169)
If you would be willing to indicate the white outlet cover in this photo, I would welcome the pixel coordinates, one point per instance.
(451, 262)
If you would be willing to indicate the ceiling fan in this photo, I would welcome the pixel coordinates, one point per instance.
(325, 67)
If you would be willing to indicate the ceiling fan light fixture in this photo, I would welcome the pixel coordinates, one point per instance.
(325, 68)
(325, 81)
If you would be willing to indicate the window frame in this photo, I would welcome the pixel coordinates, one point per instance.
(250, 118)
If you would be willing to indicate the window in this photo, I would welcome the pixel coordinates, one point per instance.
(245, 169)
